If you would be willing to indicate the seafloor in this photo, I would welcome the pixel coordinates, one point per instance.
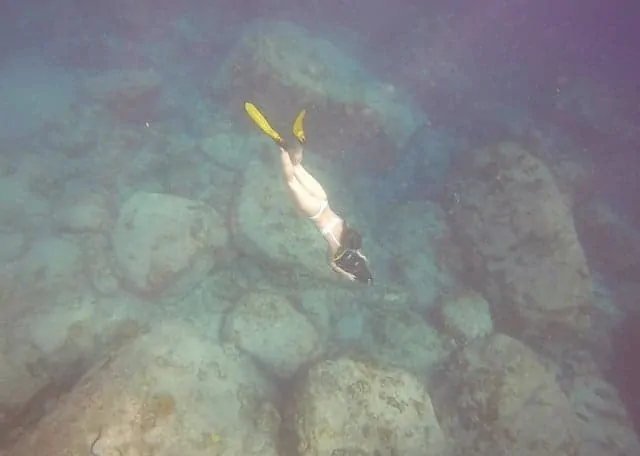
(161, 295)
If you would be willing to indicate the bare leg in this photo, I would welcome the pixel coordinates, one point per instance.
(287, 166)
(309, 182)
(306, 179)
(307, 201)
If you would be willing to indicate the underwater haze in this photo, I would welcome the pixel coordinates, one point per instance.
(337, 228)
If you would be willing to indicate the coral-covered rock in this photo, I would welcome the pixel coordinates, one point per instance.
(349, 408)
(168, 392)
(282, 68)
(165, 244)
(267, 327)
(500, 399)
(520, 244)
(465, 315)
(270, 228)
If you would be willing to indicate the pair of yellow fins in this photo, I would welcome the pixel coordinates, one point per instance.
(260, 120)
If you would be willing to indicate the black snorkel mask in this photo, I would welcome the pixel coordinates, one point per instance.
(354, 263)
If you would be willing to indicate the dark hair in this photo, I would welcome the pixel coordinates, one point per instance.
(350, 238)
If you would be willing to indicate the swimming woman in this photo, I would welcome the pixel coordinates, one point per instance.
(344, 242)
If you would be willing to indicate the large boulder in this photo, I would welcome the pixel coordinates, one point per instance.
(519, 243)
(349, 408)
(168, 392)
(165, 244)
(282, 68)
(267, 326)
(498, 398)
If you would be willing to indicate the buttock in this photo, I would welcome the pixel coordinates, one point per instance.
(323, 205)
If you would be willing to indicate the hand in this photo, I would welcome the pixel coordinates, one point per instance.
(342, 272)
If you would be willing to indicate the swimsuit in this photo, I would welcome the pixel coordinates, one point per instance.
(323, 205)
(327, 230)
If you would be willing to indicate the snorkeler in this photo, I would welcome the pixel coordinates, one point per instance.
(344, 242)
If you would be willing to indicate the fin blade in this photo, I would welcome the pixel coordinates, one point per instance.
(260, 120)
(298, 127)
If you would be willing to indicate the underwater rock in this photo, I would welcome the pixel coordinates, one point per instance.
(90, 213)
(129, 94)
(268, 227)
(346, 407)
(165, 244)
(282, 68)
(122, 85)
(501, 398)
(100, 264)
(227, 144)
(19, 382)
(266, 326)
(421, 172)
(574, 179)
(51, 265)
(414, 233)
(603, 421)
(12, 246)
(21, 207)
(610, 241)
(520, 245)
(168, 392)
(402, 339)
(33, 93)
(465, 316)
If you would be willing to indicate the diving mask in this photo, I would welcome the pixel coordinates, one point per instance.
(353, 262)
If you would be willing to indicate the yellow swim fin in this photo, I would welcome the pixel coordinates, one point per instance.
(298, 127)
(262, 122)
